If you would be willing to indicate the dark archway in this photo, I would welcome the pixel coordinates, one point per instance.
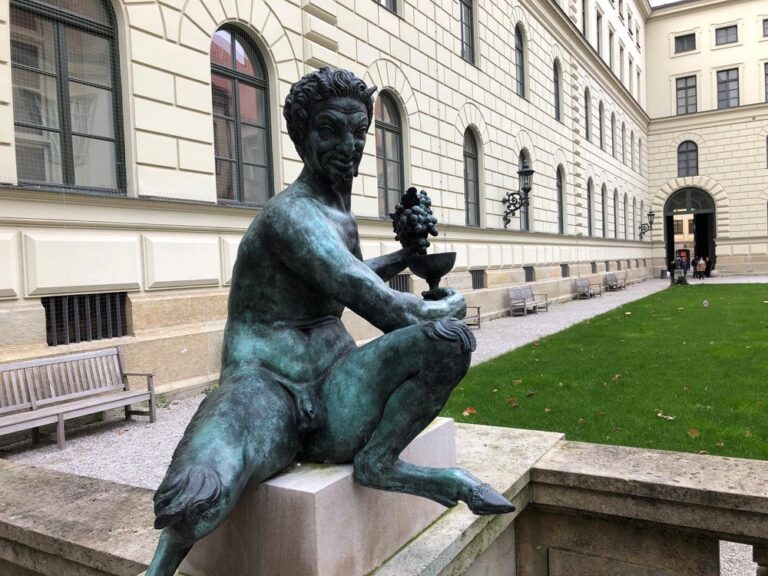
(700, 204)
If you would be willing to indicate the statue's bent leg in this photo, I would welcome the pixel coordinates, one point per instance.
(381, 396)
(243, 431)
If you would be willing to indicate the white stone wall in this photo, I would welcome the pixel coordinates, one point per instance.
(165, 73)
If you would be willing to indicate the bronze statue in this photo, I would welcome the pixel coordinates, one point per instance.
(294, 386)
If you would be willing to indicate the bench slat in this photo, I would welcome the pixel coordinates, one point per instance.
(85, 393)
(56, 359)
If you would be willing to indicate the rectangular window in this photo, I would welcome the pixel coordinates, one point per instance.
(467, 31)
(685, 43)
(71, 319)
(766, 82)
(621, 64)
(530, 275)
(400, 282)
(629, 23)
(678, 227)
(690, 227)
(584, 17)
(599, 33)
(728, 88)
(765, 27)
(726, 35)
(638, 85)
(631, 77)
(565, 272)
(686, 95)
(389, 4)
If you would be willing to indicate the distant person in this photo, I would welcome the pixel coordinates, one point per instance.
(701, 266)
(708, 267)
(686, 266)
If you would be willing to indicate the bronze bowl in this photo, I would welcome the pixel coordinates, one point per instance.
(432, 267)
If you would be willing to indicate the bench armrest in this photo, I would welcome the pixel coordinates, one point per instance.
(545, 296)
(150, 376)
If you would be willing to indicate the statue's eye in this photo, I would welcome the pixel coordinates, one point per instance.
(326, 130)
(360, 134)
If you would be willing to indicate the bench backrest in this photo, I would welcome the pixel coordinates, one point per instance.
(513, 293)
(527, 292)
(42, 381)
(611, 278)
(582, 283)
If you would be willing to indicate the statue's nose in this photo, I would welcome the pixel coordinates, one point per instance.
(347, 143)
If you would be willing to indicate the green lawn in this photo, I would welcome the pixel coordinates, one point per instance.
(611, 379)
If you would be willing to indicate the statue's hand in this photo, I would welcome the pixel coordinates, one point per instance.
(453, 303)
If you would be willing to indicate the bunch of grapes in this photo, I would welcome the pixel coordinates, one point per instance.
(413, 221)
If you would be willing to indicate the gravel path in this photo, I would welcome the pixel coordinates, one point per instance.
(131, 452)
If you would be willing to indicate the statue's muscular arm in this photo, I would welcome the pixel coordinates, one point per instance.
(313, 249)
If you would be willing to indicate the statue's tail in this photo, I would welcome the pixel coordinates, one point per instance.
(185, 494)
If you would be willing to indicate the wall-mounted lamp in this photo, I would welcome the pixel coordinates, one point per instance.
(513, 201)
(647, 227)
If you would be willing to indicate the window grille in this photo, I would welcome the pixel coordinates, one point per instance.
(685, 43)
(687, 159)
(530, 274)
(726, 35)
(86, 317)
(471, 180)
(594, 267)
(467, 30)
(478, 279)
(401, 283)
(607, 266)
(686, 95)
(388, 4)
(519, 62)
(728, 88)
(389, 153)
(678, 225)
(565, 271)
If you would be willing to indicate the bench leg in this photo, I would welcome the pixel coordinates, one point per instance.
(128, 413)
(60, 432)
(152, 411)
(35, 436)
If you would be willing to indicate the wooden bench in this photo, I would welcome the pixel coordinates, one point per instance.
(586, 290)
(522, 298)
(50, 390)
(473, 316)
(614, 283)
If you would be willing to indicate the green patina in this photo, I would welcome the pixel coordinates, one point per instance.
(294, 386)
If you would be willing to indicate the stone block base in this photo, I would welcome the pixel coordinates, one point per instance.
(314, 520)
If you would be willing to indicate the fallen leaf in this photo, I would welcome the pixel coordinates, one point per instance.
(617, 429)
(530, 393)
(661, 414)
(495, 389)
(694, 432)
(601, 413)
(516, 382)
(560, 384)
(547, 410)
(536, 343)
(681, 308)
(702, 452)
(747, 434)
(512, 402)
(627, 313)
(581, 421)
(720, 444)
(615, 377)
(469, 410)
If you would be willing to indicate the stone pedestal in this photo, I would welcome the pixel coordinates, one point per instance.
(313, 520)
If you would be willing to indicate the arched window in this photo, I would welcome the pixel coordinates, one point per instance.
(66, 95)
(632, 149)
(471, 183)
(601, 124)
(613, 134)
(623, 143)
(626, 214)
(557, 92)
(560, 200)
(642, 214)
(688, 159)
(604, 202)
(525, 224)
(640, 156)
(241, 132)
(519, 61)
(590, 194)
(635, 219)
(467, 30)
(615, 213)
(587, 115)
(389, 153)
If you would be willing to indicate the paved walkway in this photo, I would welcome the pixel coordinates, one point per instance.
(137, 454)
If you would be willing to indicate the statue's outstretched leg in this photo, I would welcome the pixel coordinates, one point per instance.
(382, 395)
(243, 431)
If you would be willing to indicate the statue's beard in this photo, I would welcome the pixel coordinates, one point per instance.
(340, 180)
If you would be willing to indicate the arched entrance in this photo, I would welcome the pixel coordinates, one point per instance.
(689, 224)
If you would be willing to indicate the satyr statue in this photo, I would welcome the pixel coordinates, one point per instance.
(294, 386)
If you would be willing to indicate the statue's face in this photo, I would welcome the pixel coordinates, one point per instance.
(333, 146)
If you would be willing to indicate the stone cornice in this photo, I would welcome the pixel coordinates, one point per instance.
(688, 122)
(676, 8)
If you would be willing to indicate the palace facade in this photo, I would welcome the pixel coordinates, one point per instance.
(139, 138)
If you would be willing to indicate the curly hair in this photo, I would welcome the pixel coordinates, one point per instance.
(320, 85)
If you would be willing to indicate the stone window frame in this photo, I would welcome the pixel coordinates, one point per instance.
(259, 81)
(726, 35)
(725, 86)
(521, 63)
(471, 152)
(63, 133)
(587, 115)
(604, 202)
(557, 89)
(467, 30)
(560, 198)
(613, 134)
(686, 91)
(682, 43)
(590, 197)
(383, 127)
(390, 5)
(601, 125)
(525, 211)
(687, 159)
(616, 220)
